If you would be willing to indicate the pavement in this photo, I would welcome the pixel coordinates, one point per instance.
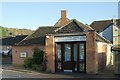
(20, 72)
(17, 68)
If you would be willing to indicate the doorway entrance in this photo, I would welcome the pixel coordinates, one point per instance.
(70, 57)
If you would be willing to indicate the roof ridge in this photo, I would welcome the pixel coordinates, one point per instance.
(83, 24)
(103, 20)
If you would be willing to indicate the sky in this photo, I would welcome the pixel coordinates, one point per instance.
(31, 15)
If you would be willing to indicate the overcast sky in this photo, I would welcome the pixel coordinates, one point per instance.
(31, 15)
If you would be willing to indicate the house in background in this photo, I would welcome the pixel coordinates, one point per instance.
(109, 29)
(69, 45)
(7, 43)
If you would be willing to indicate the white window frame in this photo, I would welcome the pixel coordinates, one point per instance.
(23, 54)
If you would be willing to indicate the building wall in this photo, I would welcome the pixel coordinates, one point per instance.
(91, 53)
(108, 33)
(102, 51)
(116, 62)
(110, 56)
(115, 35)
(97, 54)
(105, 56)
(16, 50)
(50, 54)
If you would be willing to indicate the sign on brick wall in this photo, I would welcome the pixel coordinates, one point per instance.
(70, 38)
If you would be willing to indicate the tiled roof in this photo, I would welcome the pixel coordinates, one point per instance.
(73, 26)
(12, 40)
(103, 24)
(38, 37)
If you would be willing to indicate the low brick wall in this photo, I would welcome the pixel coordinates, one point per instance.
(16, 50)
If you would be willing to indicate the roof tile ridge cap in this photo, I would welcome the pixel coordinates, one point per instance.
(27, 36)
(102, 37)
(83, 24)
(63, 26)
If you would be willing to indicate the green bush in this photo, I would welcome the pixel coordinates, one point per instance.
(37, 62)
(38, 56)
(28, 62)
(37, 67)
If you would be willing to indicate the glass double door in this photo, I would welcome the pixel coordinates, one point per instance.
(70, 57)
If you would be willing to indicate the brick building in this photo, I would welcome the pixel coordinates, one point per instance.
(76, 47)
(69, 45)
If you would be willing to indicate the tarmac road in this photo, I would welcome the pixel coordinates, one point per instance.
(22, 73)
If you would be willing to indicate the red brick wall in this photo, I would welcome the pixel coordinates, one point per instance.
(50, 54)
(63, 18)
(91, 53)
(16, 50)
(102, 52)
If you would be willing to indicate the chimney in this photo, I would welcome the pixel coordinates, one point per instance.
(63, 14)
(63, 19)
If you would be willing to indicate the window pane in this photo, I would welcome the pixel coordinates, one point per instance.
(59, 52)
(75, 52)
(81, 52)
(81, 66)
(67, 52)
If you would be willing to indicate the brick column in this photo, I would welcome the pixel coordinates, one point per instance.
(91, 53)
(50, 54)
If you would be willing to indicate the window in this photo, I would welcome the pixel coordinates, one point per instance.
(59, 52)
(23, 54)
(67, 52)
(81, 52)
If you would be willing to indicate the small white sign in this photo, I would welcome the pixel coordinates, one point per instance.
(70, 38)
(23, 54)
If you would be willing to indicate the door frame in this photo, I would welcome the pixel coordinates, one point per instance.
(62, 47)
